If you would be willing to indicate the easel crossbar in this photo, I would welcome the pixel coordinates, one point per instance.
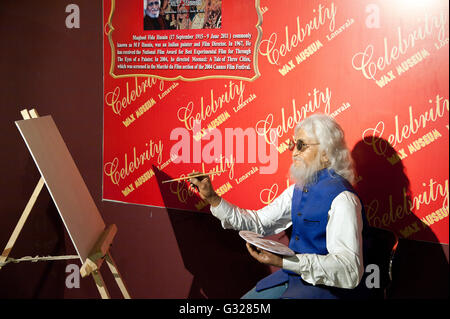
(38, 258)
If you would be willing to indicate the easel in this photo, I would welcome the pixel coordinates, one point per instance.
(98, 253)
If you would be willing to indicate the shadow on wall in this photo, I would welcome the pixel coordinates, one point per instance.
(217, 258)
(420, 269)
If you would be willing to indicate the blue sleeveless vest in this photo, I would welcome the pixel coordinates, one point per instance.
(309, 213)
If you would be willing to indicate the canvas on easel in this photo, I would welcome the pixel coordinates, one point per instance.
(85, 226)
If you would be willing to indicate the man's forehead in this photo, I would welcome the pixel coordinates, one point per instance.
(301, 134)
(304, 136)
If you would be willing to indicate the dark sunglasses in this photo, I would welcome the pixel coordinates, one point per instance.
(156, 3)
(299, 144)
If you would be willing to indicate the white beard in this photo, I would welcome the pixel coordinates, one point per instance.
(152, 14)
(305, 174)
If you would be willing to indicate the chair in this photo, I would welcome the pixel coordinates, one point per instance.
(380, 246)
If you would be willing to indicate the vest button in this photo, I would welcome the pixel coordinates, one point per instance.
(305, 190)
(296, 238)
(299, 214)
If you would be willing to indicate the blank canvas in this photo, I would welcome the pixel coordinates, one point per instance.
(64, 182)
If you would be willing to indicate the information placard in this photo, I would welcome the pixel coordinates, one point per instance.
(189, 40)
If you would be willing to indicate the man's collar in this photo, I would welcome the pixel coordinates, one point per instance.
(322, 174)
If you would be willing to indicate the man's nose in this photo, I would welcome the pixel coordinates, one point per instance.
(296, 152)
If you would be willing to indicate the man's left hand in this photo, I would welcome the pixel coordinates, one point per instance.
(265, 257)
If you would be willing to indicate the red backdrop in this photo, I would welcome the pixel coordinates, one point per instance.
(380, 68)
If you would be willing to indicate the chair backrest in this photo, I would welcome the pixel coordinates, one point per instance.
(379, 249)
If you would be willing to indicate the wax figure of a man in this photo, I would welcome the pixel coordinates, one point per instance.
(324, 210)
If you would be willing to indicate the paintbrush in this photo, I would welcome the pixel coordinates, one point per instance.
(192, 176)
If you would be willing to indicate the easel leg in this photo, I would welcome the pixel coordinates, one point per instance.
(100, 285)
(22, 220)
(112, 266)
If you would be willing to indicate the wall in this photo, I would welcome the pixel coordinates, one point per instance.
(160, 253)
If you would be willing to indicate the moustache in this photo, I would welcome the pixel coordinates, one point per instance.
(298, 158)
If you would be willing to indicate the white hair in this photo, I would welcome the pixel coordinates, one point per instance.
(331, 138)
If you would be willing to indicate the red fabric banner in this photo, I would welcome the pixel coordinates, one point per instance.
(249, 72)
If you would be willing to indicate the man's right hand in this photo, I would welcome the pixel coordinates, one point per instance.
(205, 189)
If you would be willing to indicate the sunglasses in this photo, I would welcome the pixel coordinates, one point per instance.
(156, 3)
(299, 144)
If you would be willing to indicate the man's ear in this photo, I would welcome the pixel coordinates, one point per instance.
(324, 159)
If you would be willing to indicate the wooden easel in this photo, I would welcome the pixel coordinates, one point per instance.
(98, 253)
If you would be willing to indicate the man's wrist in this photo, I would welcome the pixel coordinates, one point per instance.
(214, 200)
